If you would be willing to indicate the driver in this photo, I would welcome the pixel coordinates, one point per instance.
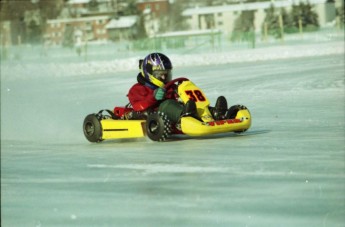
(149, 92)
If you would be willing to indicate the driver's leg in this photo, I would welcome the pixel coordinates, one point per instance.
(172, 109)
(175, 110)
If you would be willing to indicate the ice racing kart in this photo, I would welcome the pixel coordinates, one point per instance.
(124, 122)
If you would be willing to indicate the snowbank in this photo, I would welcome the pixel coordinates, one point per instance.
(20, 70)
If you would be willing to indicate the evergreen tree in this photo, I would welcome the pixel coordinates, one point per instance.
(286, 18)
(309, 17)
(141, 28)
(49, 9)
(272, 22)
(131, 9)
(14, 11)
(68, 37)
(295, 15)
(244, 27)
(302, 12)
(176, 20)
(341, 15)
(34, 32)
(93, 5)
(305, 13)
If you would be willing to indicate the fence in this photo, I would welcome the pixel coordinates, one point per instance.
(184, 44)
(188, 40)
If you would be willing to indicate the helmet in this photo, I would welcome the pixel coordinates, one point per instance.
(156, 69)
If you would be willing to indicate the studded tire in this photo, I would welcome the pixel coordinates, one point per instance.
(158, 126)
(232, 112)
(92, 128)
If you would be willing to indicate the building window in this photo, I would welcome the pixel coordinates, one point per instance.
(101, 31)
(220, 23)
(55, 25)
(220, 14)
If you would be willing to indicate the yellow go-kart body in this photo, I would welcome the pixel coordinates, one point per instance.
(119, 129)
(193, 127)
(98, 128)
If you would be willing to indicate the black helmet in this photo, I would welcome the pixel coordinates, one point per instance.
(156, 68)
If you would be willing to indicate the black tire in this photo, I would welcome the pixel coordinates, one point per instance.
(239, 132)
(158, 126)
(232, 113)
(92, 128)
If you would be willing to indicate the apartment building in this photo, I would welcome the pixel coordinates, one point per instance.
(223, 17)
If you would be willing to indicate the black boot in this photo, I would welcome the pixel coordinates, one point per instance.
(189, 109)
(220, 108)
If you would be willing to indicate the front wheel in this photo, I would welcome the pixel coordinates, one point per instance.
(158, 126)
(92, 128)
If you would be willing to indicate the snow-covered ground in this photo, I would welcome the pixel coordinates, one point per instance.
(287, 170)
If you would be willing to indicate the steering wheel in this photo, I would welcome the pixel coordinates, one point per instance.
(172, 82)
(170, 85)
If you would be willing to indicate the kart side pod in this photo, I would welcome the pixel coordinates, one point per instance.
(97, 128)
(193, 127)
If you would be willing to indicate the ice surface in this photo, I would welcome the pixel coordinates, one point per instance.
(287, 170)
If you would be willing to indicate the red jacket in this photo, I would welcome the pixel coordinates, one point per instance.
(141, 97)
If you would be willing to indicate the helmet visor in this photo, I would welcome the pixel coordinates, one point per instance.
(162, 75)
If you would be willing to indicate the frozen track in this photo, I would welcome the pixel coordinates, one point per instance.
(288, 170)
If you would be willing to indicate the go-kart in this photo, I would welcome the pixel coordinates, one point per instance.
(124, 122)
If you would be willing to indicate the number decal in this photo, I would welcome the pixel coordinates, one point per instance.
(195, 95)
(191, 95)
(198, 93)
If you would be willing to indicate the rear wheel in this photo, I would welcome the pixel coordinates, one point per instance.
(92, 128)
(158, 126)
(232, 113)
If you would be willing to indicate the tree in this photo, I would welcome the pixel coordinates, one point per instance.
(309, 17)
(34, 32)
(341, 15)
(68, 36)
(244, 27)
(271, 23)
(131, 9)
(177, 21)
(286, 19)
(31, 31)
(301, 14)
(141, 28)
(304, 14)
(49, 9)
(93, 5)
